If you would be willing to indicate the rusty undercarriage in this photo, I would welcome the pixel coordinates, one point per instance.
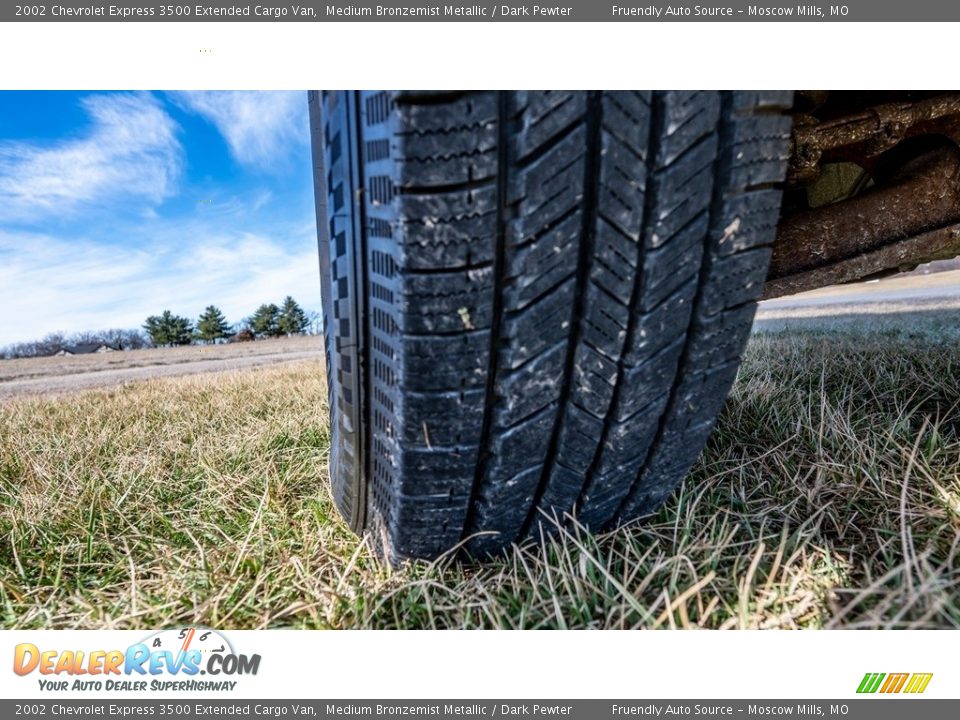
(873, 187)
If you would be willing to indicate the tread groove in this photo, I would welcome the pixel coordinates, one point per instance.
(360, 506)
(499, 268)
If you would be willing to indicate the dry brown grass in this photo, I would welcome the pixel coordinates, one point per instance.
(827, 497)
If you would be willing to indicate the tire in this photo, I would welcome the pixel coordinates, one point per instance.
(535, 303)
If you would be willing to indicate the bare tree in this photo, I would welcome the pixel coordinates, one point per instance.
(54, 342)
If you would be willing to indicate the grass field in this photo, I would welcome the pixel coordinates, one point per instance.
(828, 497)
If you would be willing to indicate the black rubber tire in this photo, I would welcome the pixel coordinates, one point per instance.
(535, 302)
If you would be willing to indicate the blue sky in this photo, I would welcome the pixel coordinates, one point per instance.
(115, 206)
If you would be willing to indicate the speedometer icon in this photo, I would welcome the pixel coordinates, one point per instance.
(194, 637)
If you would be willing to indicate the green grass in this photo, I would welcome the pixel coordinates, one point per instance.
(827, 497)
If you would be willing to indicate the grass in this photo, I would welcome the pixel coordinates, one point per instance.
(827, 497)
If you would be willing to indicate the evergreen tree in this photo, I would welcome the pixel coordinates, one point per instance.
(212, 325)
(265, 321)
(293, 320)
(169, 329)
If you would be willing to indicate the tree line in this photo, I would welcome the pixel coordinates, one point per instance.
(52, 343)
(165, 329)
(269, 320)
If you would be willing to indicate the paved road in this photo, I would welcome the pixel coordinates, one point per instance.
(897, 301)
(904, 289)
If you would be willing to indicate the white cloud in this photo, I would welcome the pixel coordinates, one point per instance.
(114, 268)
(129, 151)
(260, 127)
(49, 284)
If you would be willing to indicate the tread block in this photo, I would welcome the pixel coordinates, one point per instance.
(444, 420)
(446, 230)
(748, 220)
(579, 437)
(446, 302)
(543, 115)
(683, 191)
(538, 327)
(614, 262)
(531, 388)
(662, 324)
(686, 117)
(594, 378)
(541, 265)
(445, 362)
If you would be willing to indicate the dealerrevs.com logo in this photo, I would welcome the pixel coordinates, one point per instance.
(167, 660)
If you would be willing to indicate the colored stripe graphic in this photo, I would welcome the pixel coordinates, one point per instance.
(894, 683)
